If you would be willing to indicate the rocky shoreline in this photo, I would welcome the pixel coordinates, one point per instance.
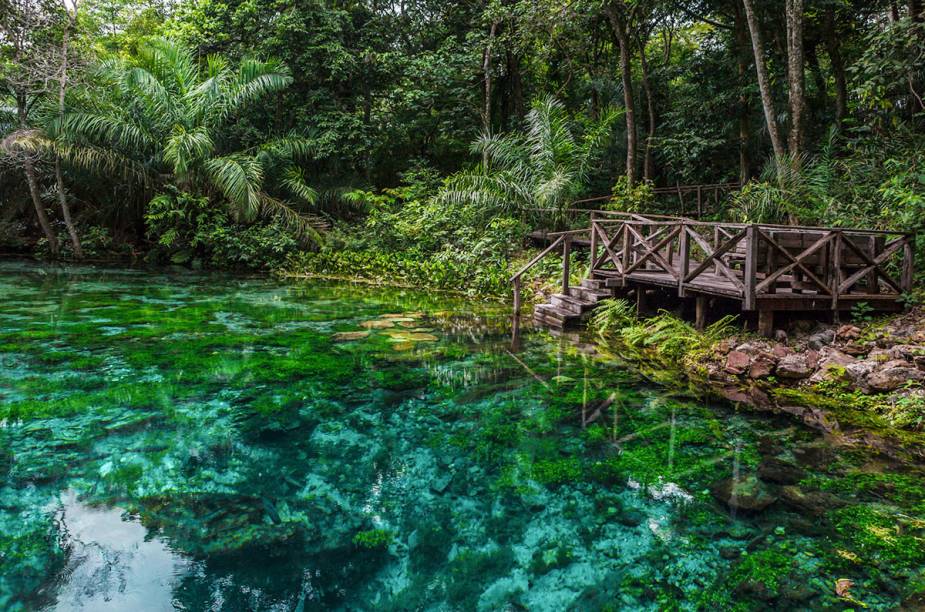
(851, 380)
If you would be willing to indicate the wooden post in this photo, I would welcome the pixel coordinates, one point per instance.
(680, 198)
(626, 250)
(517, 297)
(593, 244)
(699, 202)
(751, 266)
(766, 322)
(873, 280)
(685, 260)
(908, 262)
(836, 270)
(566, 256)
(640, 300)
(700, 315)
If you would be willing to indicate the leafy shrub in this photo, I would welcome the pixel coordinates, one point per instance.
(13, 236)
(638, 198)
(663, 337)
(192, 230)
(407, 268)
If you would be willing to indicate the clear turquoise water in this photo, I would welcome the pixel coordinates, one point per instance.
(210, 442)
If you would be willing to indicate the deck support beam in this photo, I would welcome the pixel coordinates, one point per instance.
(641, 301)
(700, 312)
(766, 322)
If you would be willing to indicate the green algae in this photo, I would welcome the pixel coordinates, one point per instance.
(374, 538)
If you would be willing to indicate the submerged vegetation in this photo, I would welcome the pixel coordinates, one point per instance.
(258, 444)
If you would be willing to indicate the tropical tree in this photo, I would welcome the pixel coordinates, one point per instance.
(543, 168)
(162, 119)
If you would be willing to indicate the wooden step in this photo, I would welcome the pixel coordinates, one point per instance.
(591, 295)
(573, 304)
(593, 283)
(553, 316)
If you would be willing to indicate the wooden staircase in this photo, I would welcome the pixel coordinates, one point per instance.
(566, 310)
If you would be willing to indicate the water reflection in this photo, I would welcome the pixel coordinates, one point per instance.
(113, 563)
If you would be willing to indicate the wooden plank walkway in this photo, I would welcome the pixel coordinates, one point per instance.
(766, 268)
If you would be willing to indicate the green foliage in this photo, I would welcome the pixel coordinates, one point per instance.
(539, 170)
(664, 337)
(862, 312)
(404, 268)
(160, 118)
(881, 536)
(638, 198)
(193, 230)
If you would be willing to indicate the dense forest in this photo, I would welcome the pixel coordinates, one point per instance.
(422, 139)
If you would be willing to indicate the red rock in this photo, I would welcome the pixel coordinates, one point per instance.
(737, 362)
(794, 367)
(781, 351)
(762, 366)
(848, 332)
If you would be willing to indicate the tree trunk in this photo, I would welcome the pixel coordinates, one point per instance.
(742, 53)
(486, 71)
(33, 182)
(59, 176)
(795, 76)
(618, 24)
(648, 167)
(916, 12)
(764, 83)
(833, 48)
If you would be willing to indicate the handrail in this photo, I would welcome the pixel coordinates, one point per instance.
(536, 259)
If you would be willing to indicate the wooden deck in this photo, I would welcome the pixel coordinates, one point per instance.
(766, 268)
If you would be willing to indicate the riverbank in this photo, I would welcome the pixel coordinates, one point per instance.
(861, 382)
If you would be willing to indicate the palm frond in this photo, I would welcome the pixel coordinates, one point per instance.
(239, 178)
(294, 181)
(305, 225)
(184, 147)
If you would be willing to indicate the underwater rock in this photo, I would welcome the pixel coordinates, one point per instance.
(747, 493)
(377, 324)
(631, 518)
(729, 553)
(813, 455)
(778, 471)
(816, 503)
(350, 335)
(441, 482)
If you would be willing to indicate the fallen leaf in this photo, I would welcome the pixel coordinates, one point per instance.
(843, 587)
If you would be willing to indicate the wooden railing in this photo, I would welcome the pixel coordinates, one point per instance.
(753, 262)
(765, 266)
(560, 238)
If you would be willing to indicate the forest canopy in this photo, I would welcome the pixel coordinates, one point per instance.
(389, 136)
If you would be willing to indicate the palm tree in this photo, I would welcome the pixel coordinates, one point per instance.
(544, 168)
(162, 118)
